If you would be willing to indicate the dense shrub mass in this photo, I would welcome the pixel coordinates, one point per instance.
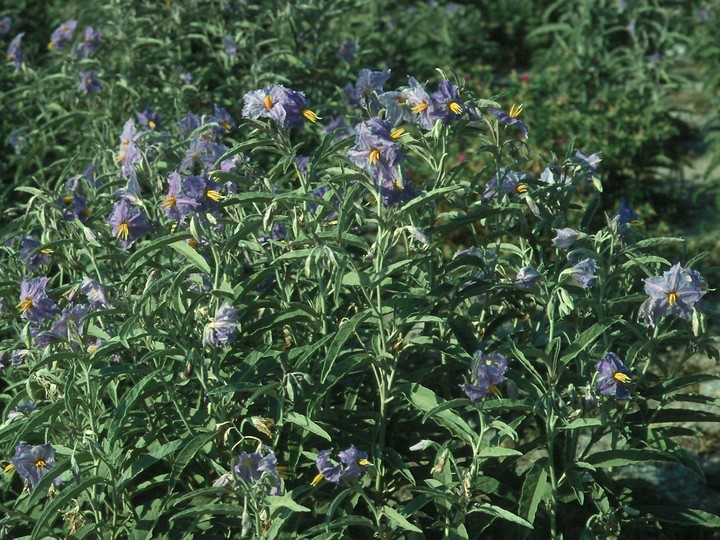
(343, 269)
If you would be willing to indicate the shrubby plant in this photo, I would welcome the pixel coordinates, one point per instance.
(301, 315)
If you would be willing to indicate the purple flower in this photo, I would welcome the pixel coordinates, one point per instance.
(510, 118)
(90, 42)
(421, 104)
(511, 182)
(584, 273)
(186, 77)
(489, 370)
(223, 329)
(14, 52)
(74, 206)
(35, 306)
(59, 330)
(29, 253)
(94, 292)
(32, 462)
(394, 190)
(128, 223)
(565, 237)
(375, 150)
(448, 106)
(527, 277)
(18, 357)
(188, 124)
(588, 163)
(251, 468)
(287, 107)
(612, 377)
(675, 292)
(149, 118)
(129, 153)
(396, 108)
(353, 463)
(347, 50)
(553, 175)
(624, 214)
(22, 410)
(224, 119)
(177, 204)
(367, 84)
(88, 82)
(63, 33)
(203, 191)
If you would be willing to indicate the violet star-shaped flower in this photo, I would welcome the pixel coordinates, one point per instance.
(527, 277)
(673, 293)
(375, 150)
(35, 306)
(177, 204)
(128, 223)
(32, 462)
(29, 253)
(62, 34)
(94, 292)
(14, 52)
(88, 82)
(59, 330)
(511, 183)
(565, 237)
(149, 118)
(510, 118)
(612, 377)
(223, 328)
(489, 372)
(448, 105)
(250, 469)
(421, 104)
(584, 273)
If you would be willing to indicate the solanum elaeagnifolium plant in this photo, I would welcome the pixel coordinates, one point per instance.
(254, 327)
(250, 291)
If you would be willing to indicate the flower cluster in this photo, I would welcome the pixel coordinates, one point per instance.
(353, 463)
(287, 107)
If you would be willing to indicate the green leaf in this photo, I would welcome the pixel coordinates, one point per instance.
(343, 334)
(683, 516)
(496, 511)
(191, 447)
(129, 399)
(497, 451)
(425, 400)
(210, 509)
(581, 423)
(307, 424)
(399, 520)
(533, 490)
(274, 501)
(584, 340)
(191, 255)
(618, 458)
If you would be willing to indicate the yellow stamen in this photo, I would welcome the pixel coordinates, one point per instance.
(213, 195)
(169, 201)
(495, 390)
(92, 348)
(621, 377)
(268, 102)
(51, 45)
(401, 99)
(123, 149)
(67, 199)
(226, 125)
(46, 251)
(318, 478)
(521, 188)
(25, 305)
(374, 156)
(515, 110)
(192, 243)
(455, 107)
(123, 231)
(151, 124)
(41, 464)
(420, 107)
(309, 115)
(10, 57)
(397, 133)
(282, 472)
(9, 468)
(672, 298)
(363, 462)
